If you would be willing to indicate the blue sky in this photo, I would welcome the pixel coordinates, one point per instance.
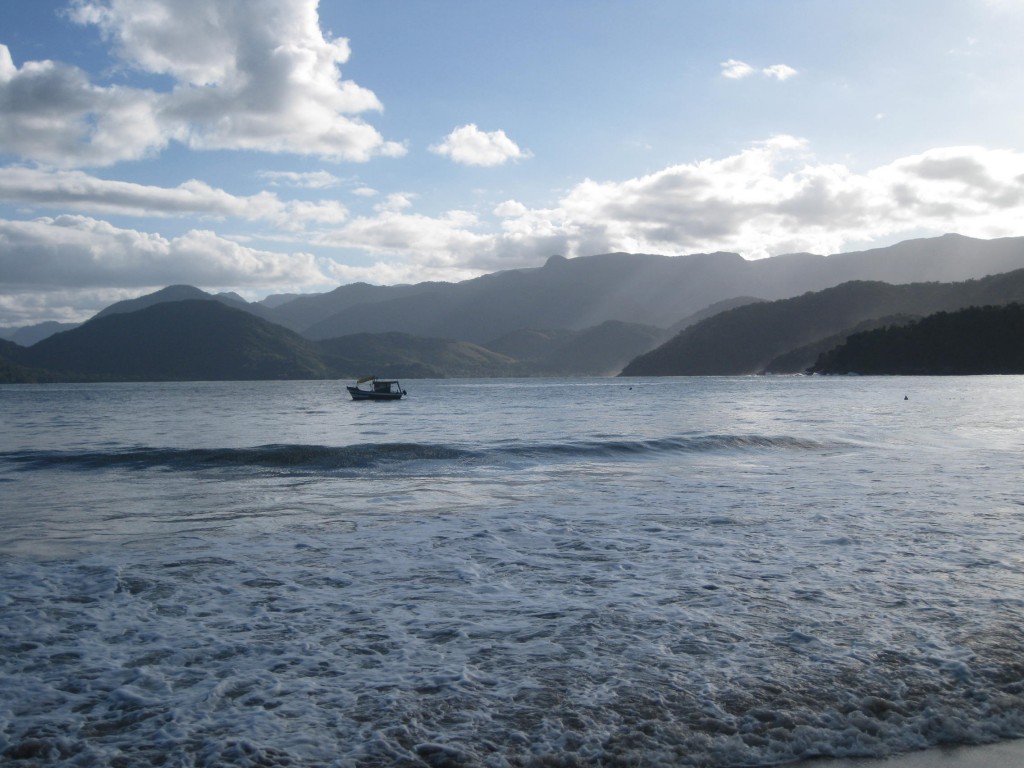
(271, 146)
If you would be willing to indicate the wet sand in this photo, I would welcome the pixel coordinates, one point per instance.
(1005, 754)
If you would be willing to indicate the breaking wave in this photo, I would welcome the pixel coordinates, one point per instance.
(322, 458)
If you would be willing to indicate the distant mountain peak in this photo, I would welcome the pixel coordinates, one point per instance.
(170, 293)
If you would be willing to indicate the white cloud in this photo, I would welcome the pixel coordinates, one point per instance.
(7, 68)
(67, 268)
(442, 248)
(398, 201)
(74, 305)
(779, 71)
(510, 209)
(52, 114)
(247, 74)
(80, 252)
(471, 146)
(80, 191)
(250, 74)
(308, 180)
(736, 70)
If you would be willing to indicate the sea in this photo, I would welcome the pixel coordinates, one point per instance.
(746, 571)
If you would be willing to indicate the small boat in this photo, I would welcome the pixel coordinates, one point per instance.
(378, 389)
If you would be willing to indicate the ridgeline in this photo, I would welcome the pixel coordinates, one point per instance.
(711, 314)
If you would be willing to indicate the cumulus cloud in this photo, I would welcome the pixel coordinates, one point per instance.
(736, 70)
(53, 114)
(469, 145)
(397, 201)
(779, 71)
(246, 74)
(81, 191)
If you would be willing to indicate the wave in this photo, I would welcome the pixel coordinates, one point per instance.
(298, 457)
(613, 448)
(322, 458)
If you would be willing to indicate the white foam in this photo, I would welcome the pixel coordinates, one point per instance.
(748, 607)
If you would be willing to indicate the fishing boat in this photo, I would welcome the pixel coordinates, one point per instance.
(377, 389)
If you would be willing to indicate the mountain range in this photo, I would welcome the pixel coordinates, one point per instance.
(786, 336)
(712, 314)
(658, 291)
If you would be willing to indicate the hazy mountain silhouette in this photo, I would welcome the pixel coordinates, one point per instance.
(711, 311)
(573, 294)
(598, 351)
(164, 295)
(28, 335)
(200, 339)
(751, 338)
(174, 293)
(303, 312)
(195, 339)
(600, 313)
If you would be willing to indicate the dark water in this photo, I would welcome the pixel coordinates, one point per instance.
(621, 572)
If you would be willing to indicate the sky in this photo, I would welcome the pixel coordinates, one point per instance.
(291, 146)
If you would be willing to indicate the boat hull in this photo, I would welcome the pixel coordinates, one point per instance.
(362, 394)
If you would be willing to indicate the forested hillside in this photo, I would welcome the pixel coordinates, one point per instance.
(758, 337)
(976, 340)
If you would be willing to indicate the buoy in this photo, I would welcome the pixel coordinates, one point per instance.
(905, 397)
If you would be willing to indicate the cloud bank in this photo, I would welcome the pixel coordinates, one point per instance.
(78, 251)
(768, 199)
(70, 266)
(81, 191)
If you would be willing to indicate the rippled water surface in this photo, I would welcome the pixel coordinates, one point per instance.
(714, 572)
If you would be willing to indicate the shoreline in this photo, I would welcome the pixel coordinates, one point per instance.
(1002, 754)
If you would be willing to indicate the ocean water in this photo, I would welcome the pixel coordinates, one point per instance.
(707, 572)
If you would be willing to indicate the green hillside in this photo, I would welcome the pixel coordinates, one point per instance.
(598, 351)
(399, 355)
(976, 340)
(13, 372)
